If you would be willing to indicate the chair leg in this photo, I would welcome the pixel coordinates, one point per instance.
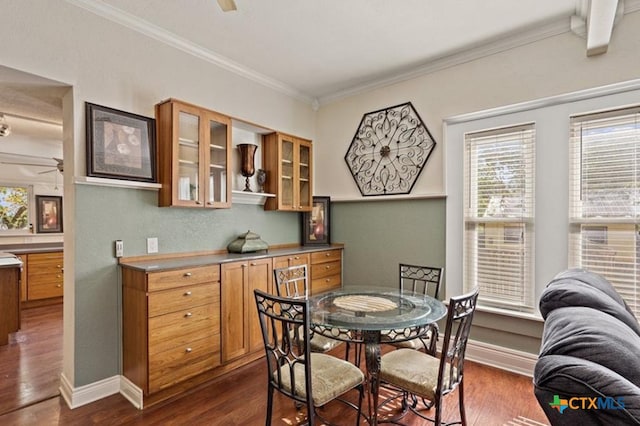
(269, 406)
(463, 416)
(360, 398)
(438, 418)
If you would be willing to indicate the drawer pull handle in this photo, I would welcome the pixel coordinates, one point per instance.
(188, 350)
(328, 280)
(59, 266)
(198, 202)
(297, 257)
(327, 267)
(188, 315)
(187, 293)
(59, 285)
(327, 254)
(187, 274)
(253, 263)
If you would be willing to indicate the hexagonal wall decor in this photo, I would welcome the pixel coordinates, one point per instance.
(389, 150)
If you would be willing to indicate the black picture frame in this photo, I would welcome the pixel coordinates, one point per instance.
(48, 214)
(120, 145)
(316, 224)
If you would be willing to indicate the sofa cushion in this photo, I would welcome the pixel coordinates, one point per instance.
(569, 377)
(595, 336)
(594, 280)
(565, 292)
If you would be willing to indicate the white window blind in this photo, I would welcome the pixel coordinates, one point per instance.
(499, 216)
(605, 198)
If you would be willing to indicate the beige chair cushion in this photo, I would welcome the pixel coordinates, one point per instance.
(320, 343)
(330, 378)
(416, 343)
(411, 370)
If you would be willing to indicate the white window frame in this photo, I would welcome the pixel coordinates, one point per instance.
(605, 198)
(500, 265)
(551, 116)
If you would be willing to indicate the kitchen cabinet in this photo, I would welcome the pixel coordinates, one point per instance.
(45, 275)
(326, 270)
(241, 333)
(288, 162)
(9, 296)
(194, 156)
(23, 276)
(170, 325)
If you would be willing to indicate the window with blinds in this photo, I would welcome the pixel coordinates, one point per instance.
(605, 198)
(499, 216)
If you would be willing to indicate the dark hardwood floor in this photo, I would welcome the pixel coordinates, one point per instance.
(492, 396)
(31, 363)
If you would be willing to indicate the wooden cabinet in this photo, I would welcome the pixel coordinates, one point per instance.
(288, 162)
(170, 325)
(291, 260)
(45, 275)
(9, 301)
(241, 333)
(23, 276)
(326, 270)
(194, 156)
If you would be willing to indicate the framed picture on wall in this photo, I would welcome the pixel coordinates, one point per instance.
(49, 214)
(120, 145)
(316, 223)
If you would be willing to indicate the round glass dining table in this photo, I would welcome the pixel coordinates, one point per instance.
(372, 316)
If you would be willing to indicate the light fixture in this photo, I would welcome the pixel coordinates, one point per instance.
(5, 129)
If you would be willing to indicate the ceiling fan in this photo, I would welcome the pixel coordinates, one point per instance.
(227, 5)
(59, 166)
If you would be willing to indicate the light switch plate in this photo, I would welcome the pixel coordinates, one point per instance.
(119, 248)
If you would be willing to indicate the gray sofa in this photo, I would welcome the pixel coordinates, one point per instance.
(588, 370)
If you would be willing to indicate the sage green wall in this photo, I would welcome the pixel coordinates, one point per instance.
(106, 214)
(378, 235)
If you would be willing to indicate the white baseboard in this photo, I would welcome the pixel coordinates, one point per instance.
(77, 397)
(131, 392)
(500, 357)
(484, 353)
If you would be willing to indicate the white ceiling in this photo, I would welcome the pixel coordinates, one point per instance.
(320, 48)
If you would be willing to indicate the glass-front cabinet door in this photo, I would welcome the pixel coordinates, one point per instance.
(188, 161)
(304, 196)
(288, 161)
(218, 186)
(193, 156)
(287, 173)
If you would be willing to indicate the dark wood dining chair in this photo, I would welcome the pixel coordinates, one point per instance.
(309, 378)
(430, 377)
(424, 280)
(293, 282)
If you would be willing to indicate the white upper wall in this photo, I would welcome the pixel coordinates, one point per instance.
(553, 66)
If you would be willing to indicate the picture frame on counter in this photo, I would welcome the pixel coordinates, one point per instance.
(120, 145)
(316, 224)
(48, 214)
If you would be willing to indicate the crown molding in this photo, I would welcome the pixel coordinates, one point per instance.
(141, 26)
(477, 51)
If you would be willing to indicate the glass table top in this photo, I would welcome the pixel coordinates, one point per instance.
(374, 309)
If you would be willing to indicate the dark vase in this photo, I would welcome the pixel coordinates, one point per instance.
(247, 168)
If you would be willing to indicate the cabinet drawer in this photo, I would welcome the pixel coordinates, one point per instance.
(320, 285)
(45, 288)
(166, 330)
(182, 362)
(325, 256)
(182, 277)
(325, 269)
(291, 260)
(183, 298)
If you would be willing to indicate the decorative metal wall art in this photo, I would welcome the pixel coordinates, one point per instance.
(389, 150)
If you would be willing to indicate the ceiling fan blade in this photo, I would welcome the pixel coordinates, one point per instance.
(15, 154)
(25, 164)
(227, 5)
(47, 171)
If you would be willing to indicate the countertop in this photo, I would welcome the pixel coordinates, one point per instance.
(154, 265)
(8, 260)
(31, 248)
